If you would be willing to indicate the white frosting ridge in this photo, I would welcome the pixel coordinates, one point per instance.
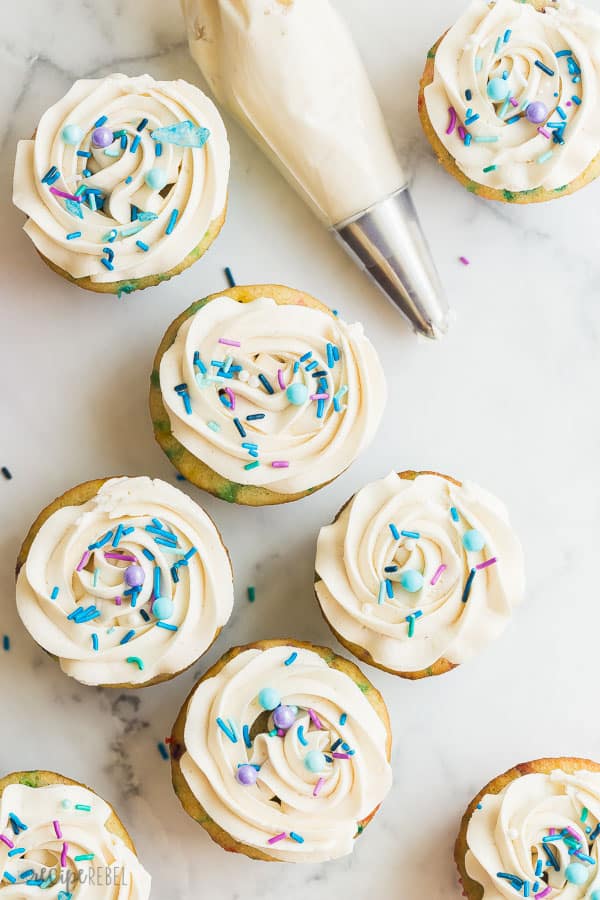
(291, 74)
(511, 37)
(56, 833)
(196, 178)
(354, 551)
(202, 595)
(506, 835)
(273, 338)
(324, 808)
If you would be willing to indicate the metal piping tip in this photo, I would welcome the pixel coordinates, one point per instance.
(387, 240)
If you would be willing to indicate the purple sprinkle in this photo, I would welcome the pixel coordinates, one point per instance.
(118, 601)
(231, 396)
(319, 397)
(318, 787)
(340, 755)
(7, 841)
(280, 464)
(438, 574)
(316, 721)
(278, 837)
(120, 556)
(462, 133)
(83, 561)
(57, 830)
(66, 196)
(229, 343)
(280, 379)
(488, 562)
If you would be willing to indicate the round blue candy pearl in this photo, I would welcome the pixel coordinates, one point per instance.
(411, 580)
(284, 717)
(537, 112)
(72, 134)
(315, 761)
(297, 393)
(156, 179)
(497, 89)
(577, 873)
(473, 540)
(163, 608)
(595, 895)
(269, 698)
(102, 137)
(134, 576)
(247, 775)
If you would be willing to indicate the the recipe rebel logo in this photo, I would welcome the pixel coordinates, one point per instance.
(95, 876)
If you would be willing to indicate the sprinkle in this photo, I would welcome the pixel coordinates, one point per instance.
(389, 589)
(142, 246)
(7, 841)
(6, 472)
(543, 893)
(539, 866)
(464, 260)
(172, 221)
(229, 277)
(57, 830)
(318, 787)
(438, 573)
(280, 379)
(478, 63)
(452, 123)
(229, 343)
(17, 851)
(148, 554)
(319, 397)
(83, 857)
(251, 594)
(51, 176)
(561, 113)
(278, 837)
(66, 196)
(296, 837)
(462, 133)
(315, 719)
(142, 125)
(498, 44)
(486, 139)
(513, 120)
(487, 563)
(63, 855)
(340, 755)
(280, 464)
(214, 426)
(576, 100)
(411, 625)
(292, 658)
(246, 736)
(544, 67)
(544, 132)
(490, 168)
(395, 532)
(95, 646)
(163, 750)
(595, 833)
(468, 585)
(123, 557)
(10, 877)
(252, 465)
(255, 417)
(381, 594)
(127, 638)
(239, 426)
(551, 857)
(135, 660)
(507, 35)
(228, 730)
(83, 807)
(265, 383)
(545, 157)
(73, 235)
(411, 534)
(83, 561)
(472, 119)
(562, 53)
(454, 513)
(468, 140)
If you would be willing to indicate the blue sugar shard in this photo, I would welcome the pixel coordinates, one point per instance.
(182, 134)
(74, 208)
(146, 216)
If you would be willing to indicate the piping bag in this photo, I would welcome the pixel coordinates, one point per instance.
(289, 71)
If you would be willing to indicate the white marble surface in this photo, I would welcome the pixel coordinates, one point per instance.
(507, 399)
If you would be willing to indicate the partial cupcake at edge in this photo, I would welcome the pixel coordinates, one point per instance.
(510, 100)
(419, 572)
(262, 395)
(533, 832)
(59, 839)
(125, 581)
(282, 752)
(124, 183)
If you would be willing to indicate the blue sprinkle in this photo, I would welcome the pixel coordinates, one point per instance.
(127, 637)
(343, 718)
(142, 246)
(320, 409)
(239, 427)
(128, 180)
(144, 615)
(562, 53)
(296, 837)
(100, 122)
(95, 642)
(163, 750)
(100, 543)
(513, 120)
(135, 144)
(292, 658)
(301, 738)
(468, 585)
(472, 119)
(411, 534)
(576, 100)
(265, 383)
(229, 277)
(391, 569)
(148, 554)
(158, 148)
(142, 125)
(86, 173)
(306, 356)
(54, 593)
(6, 643)
(507, 35)
(246, 734)
(228, 730)
(123, 142)
(311, 366)
(468, 94)
(84, 153)
(389, 588)
(454, 513)
(10, 878)
(544, 67)
(172, 221)
(395, 532)
(167, 626)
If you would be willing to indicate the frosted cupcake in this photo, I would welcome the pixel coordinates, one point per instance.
(261, 395)
(126, 582)
(510, 99)
(282, 752)
(124, 183)
(58, 838)
(418, 573)
(533, 832)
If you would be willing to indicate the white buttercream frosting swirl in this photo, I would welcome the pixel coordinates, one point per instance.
(55, 843)
(550, 58)
(524, 840)
(74, 596)
(168, 220)
(396, 529)
(311, 815)
(263, 438)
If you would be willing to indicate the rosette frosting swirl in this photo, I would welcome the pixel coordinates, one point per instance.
(538, 837)
(415, 571)
(123, 177)
(55, 840)
(516, 93)
(315, 744)
(280, 395)
(128, 587)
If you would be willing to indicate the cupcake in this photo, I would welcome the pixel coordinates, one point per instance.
(262, 395)
(510, 99)
(418, 572)
(281, 752)
(533, 832)
(59, 836)
(125, 581)
(124, 183)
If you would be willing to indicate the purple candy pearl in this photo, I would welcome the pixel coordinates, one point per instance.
(284, 717)
(537, 112)
(247, 775)
(102, 137)
(134, 576)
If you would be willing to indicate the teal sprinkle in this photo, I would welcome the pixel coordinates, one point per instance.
(343, 718)
(478, 63)
(490, 169)
(545, 157)
(292, 658)
(301, 738)
(296, 837)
